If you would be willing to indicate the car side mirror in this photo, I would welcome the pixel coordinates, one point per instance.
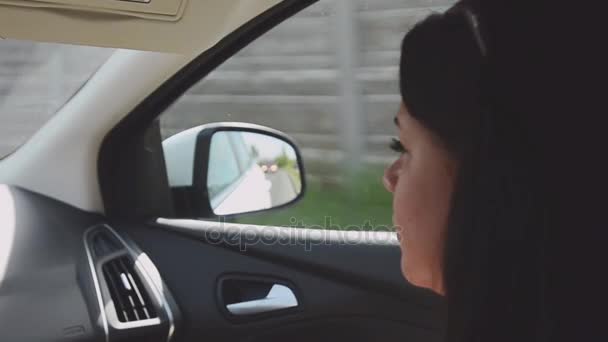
(228, 169)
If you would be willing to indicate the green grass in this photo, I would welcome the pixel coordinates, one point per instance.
(359, 204)
(294, 175)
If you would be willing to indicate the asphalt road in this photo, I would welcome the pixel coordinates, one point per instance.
(282, 190)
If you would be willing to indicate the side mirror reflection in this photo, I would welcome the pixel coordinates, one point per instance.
(226, 169)
(251, 172)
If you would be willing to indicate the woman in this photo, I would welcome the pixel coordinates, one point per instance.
(466, 194)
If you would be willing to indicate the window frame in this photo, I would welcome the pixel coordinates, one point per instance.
(125, 163)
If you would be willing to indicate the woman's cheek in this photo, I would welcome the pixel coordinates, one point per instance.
(401, 196)
(406, 227)
(403, 213)
(411, 211)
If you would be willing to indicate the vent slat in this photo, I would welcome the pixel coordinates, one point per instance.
(134, 308)
(128, 293)
(128, 288)
(140, 302)
(140, 298)
(123, 291)
(114, 293)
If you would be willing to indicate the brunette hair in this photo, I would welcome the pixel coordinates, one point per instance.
(493, 256)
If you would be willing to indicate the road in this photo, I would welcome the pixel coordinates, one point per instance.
(282, 190)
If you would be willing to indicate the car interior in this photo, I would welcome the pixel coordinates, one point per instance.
(148, 176)
(109, 232)
(192, 170)
(125, 160)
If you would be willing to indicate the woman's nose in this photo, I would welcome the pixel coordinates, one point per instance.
(390, 177)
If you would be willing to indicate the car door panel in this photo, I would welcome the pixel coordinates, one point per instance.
(371, 257)
(335, 300)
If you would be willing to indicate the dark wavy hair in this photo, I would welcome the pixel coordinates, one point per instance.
(493, 257)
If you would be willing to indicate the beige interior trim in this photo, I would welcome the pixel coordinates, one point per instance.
(67, 146)
(171, 10)
(201, 24)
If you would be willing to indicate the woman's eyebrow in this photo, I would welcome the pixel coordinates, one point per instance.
(396, 121)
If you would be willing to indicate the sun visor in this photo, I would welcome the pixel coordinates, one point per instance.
(170, 10)
(176, 26)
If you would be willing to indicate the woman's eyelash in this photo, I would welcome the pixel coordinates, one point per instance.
(397, 146)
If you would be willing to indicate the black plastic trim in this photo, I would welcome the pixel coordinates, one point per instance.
(325, 263)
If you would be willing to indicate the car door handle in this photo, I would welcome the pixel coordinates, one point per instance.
(280, 297)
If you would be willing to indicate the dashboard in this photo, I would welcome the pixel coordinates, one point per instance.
(67, 275)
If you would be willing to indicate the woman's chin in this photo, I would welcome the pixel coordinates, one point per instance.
(408, 272)
(417, 276)
(410, 275)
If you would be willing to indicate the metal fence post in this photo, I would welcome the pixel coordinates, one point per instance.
(350, 122)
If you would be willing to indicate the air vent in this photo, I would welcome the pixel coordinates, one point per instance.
(130, 297)
(104, 244)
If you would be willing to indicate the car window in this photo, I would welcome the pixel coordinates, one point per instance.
(327, 77)
(36, 79)
(220, 178)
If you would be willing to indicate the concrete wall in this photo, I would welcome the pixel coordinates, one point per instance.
(289, 80)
